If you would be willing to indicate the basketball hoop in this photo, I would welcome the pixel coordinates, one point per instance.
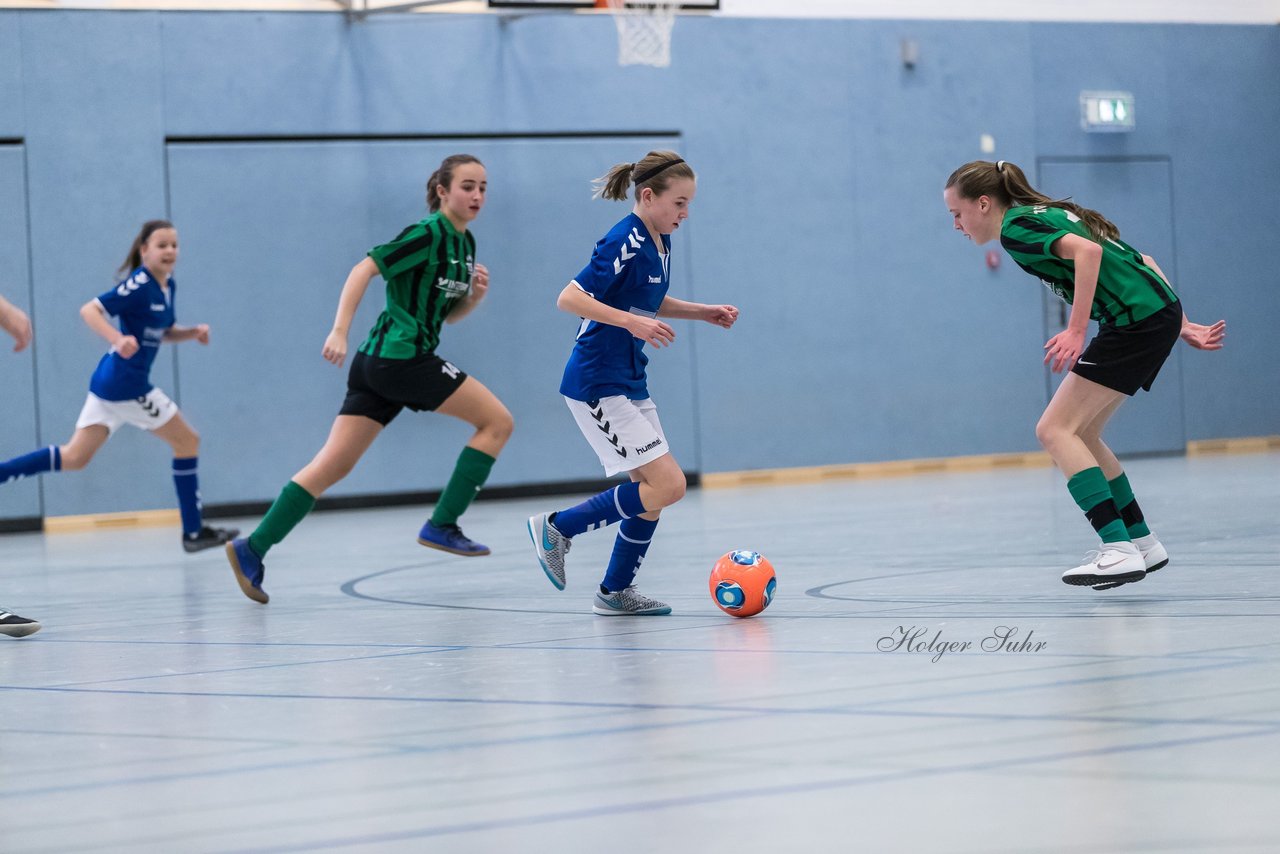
(644, 30)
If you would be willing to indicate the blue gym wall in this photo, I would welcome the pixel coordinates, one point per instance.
(869, 329)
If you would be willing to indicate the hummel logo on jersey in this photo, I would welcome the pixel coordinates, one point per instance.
(649, 447)
(655, 280)
(129, 286)
(635, 240)
(155, 307)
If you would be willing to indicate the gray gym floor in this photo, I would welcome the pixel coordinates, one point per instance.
(392, 698)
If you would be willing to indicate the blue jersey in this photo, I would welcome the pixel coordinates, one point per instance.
(146, 312)
(628, 272)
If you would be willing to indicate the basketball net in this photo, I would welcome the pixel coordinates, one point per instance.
(644, 31)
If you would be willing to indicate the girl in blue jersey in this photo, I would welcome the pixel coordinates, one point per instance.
(620, 296)
(121, 392)
(15, 321)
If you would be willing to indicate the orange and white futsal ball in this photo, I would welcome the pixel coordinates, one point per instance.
(742, 583)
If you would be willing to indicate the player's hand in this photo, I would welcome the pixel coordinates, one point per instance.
(19, 326)
(335, 348)
(1064, 348)
(126, 346)
(650, 330)
(1204, 337)
(721, 315)
(202, 333)
(479, 282)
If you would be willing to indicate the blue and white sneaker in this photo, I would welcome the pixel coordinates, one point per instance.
(551, 546)
(449, 538)
(248, 568)
(628, 603)
(16, 627)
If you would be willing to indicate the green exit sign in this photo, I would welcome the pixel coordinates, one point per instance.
(1106, 112)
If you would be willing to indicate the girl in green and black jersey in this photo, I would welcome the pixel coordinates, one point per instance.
(1078, 253)
(432, 278)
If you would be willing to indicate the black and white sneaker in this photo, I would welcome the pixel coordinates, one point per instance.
(16, 627)
(207, 538)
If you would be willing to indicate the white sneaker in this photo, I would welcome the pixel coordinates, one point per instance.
(1154, 556)
(1114, 562)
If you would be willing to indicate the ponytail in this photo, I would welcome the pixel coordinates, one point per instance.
(134, 259)
(443, 177)
(1008, 185)
(656, 170)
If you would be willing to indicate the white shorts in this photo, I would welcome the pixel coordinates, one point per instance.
(624, 433)
(149, 412)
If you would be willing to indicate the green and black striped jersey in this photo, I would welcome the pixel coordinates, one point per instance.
(428, 270)
(1128, 290)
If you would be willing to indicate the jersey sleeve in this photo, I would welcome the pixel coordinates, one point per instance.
(125, 295)
(1029, 237)
(609, 265)
(407, 251)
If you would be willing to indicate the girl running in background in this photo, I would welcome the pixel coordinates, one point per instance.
(1078, 254)
(121, 392)
(431, 278)
(620, 295)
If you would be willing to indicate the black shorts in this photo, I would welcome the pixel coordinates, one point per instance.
(379, 388)
(1127, 358)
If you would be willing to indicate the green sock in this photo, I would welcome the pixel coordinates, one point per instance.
(1130, 512)
(1090, 490)
(288, 510)
(470, 473)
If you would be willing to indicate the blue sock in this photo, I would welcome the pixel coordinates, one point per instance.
(187, 483)
(36, 462)
(634, 536)
(621, 502)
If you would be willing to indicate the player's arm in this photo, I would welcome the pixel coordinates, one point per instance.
(15, 321)
(479, 287)
(1196, 334)
(576, 301)
(1064, 348)
(720, 315)
(335, 345)
(95, 317)
(176, 334)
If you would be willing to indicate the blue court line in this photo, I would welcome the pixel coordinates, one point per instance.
(267, 644)
(349, 589)
(398, 751)
(556, 644)
(846, 710)
(260, 667)
(690, 800)
(1066, 683)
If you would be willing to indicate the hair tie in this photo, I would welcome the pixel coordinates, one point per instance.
(653, 173)
(1000, 166)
